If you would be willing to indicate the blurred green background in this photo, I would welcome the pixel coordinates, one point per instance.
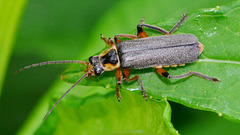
(61, 30)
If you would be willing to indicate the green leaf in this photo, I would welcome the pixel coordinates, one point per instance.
(9, 19)
(106, 116)
(125, 19)
(218, 30)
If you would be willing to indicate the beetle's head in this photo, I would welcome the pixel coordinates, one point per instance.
(94, 68)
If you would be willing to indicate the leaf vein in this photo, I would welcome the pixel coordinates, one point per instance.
(218, 61)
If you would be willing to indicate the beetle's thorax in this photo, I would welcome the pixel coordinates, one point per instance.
(109, 59)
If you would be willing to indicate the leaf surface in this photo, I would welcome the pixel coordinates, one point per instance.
(218, 30)
(94, 112)
(8, 26)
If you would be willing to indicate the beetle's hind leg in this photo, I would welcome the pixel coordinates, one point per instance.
(197, 74)
(126, 73)
(141, 32)
(164, 73)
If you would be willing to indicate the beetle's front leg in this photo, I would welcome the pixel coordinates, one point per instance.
(108, 41)
(119, 82)
(164, 73)
(126, 73)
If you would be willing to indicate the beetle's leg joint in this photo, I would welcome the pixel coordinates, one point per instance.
(163, 73)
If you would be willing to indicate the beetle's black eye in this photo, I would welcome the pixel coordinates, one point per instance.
(90, 59)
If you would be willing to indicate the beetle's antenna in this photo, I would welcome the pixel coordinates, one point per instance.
(85, 75)
(51, 62)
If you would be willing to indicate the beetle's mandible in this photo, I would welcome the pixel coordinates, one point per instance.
(140, 52)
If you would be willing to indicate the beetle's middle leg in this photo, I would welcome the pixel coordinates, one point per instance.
(126, 73)
(140, 30)
(117, 39)
(164, 73)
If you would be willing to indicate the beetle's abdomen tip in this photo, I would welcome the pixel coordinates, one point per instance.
(201, 48)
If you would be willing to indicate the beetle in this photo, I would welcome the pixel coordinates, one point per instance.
(138, 53)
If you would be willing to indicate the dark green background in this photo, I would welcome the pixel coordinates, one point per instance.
(58, 29)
